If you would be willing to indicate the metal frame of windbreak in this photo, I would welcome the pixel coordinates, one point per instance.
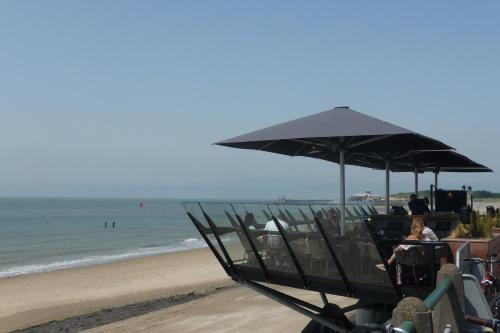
(318, 284)
(310, 310)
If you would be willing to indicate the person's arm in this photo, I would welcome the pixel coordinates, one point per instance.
(428, 233)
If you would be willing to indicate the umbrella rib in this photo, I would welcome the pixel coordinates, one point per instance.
(372, 139)
(329, 144)
(351, 140)
(406, 154)
(375, 156)
(311, 142)
(300, 149)
(267, 145)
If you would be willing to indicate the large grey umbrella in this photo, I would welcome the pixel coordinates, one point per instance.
(423, 161)
(437, 161)
(340, 135)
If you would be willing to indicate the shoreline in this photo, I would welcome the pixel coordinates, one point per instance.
(93, 261)
(29, 300)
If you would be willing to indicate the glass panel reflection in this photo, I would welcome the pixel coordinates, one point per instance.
(306, 241)
(355, 250)
(228, 230)
(194, 209)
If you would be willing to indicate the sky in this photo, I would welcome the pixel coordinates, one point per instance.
(126, 98)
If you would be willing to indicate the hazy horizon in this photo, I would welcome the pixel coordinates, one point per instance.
(125, 99)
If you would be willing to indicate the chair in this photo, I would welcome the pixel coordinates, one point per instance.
(319, 254)
(415, 257)
(276, 252)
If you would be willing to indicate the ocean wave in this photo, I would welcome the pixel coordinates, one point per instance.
(190, 243)
(190, 240)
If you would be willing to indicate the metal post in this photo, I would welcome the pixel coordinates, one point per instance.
(416, 182)
(432, 189)
(334, 256)
(387, 170)
(436, 173)
(295, 261)
(252, 245)
(294, 304)
(323, 298)
(342, 191)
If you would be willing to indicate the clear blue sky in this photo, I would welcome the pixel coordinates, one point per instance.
(125, 98)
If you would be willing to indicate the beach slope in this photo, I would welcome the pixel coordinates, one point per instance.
(38, 298)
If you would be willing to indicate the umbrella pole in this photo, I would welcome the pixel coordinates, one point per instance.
(342, 190)
(416, 182)
(387, 169)
(436, 179)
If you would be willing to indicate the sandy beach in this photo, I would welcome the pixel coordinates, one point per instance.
(38, 298)
(208, 301)
(234, 310)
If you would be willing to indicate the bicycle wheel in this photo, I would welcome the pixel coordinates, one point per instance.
(489, 293)
(495, 306)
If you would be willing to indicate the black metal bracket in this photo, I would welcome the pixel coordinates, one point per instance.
(219, 241)
(349, 288)
(252, 245)
(377, 241)
(202, 232)
(290, 251)
(304, 308)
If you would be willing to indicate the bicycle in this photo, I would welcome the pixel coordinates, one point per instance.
(489, 283)
(494, 324)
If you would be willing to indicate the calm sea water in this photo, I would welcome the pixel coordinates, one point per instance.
(48, 234)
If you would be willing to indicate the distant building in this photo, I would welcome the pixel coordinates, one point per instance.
(366, 196)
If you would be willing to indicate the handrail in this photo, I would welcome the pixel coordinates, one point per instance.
(430, 302)
(436, 295)
(407, 326)
(458, 257)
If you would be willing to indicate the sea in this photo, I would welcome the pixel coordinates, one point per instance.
(47, 234)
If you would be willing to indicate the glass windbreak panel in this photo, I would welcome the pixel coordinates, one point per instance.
(266, 237)
(252, 218)
(365, 211)
(357, 212)
(298, 216)
(230, 233)
(194, 209)
(349, 213)
(372, 209)
(355, 249)
(329, 217)
(353, 212)
(306, 241)
(254, 215)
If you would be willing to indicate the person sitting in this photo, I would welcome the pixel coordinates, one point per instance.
(250, 222)
(334, 221)
(275, 242)
(271, 225)
(427, 232)
(417, 206)
(417, 233)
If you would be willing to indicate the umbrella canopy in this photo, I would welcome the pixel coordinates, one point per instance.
(424, 161)
(437, 161)
(340, 135)
(324, 135)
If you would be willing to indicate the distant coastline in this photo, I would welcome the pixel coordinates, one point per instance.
(480, 194)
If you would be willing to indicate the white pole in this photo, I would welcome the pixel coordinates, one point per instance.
(342, 190)
(387, 170)
(416, 182)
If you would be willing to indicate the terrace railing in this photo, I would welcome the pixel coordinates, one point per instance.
(301, 245)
